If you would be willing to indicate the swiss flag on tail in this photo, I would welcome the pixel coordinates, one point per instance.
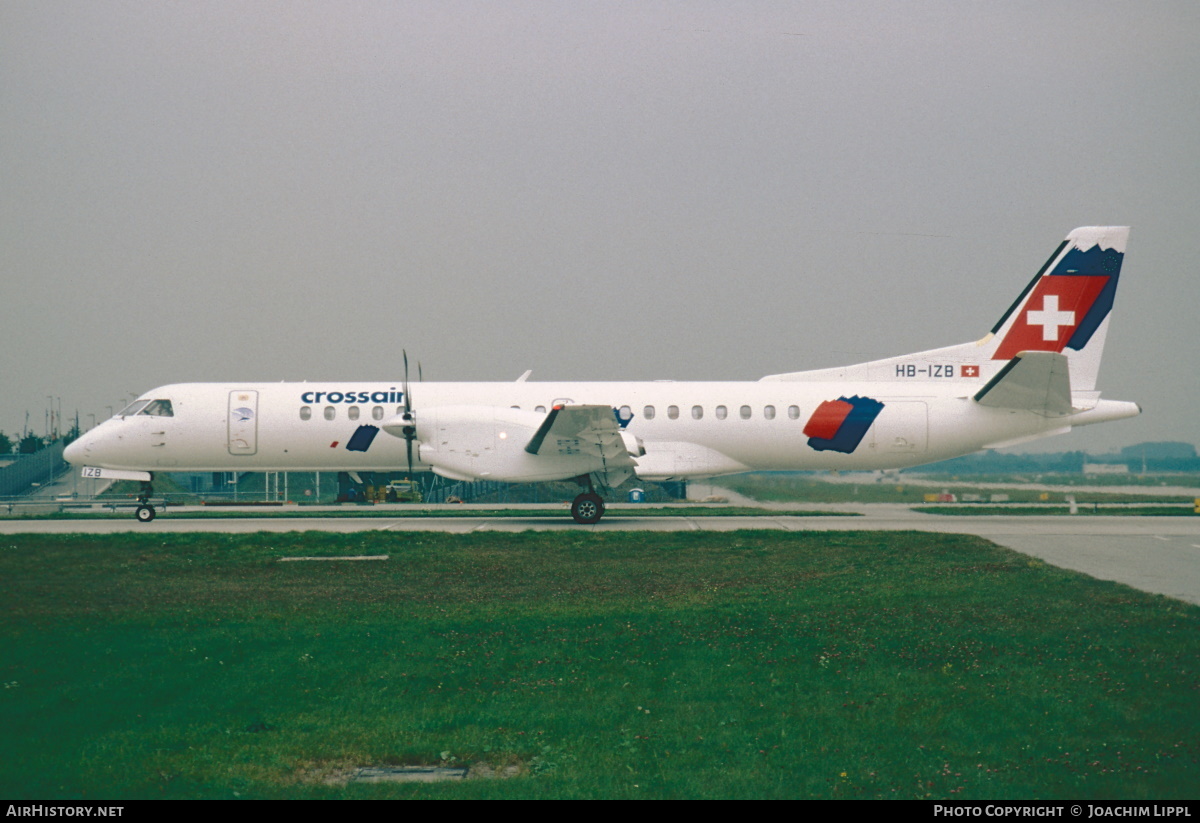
(1056, 308)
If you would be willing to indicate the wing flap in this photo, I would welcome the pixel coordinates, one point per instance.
(572, 430)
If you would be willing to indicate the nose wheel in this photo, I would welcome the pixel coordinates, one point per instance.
(587, 508)
(145, 512)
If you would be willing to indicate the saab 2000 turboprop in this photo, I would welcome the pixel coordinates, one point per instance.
(1032, 376)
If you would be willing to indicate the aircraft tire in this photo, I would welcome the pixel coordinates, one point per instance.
(587, 508)
(144, 514)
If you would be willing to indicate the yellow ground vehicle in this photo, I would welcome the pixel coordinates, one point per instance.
(403, 491)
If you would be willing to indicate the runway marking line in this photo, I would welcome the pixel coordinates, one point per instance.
(355, 557)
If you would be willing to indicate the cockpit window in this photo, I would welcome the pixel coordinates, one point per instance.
(133, 408)
(158, 408)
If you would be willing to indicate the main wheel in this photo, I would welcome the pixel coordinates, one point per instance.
(587, 508)
(144, 514)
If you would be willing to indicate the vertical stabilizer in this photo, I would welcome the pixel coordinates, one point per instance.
(1066, 307)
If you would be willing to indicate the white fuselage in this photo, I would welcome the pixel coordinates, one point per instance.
(686, 429)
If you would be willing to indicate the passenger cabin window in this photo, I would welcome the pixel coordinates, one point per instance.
(648, 412)
(722, 412)
(744, 412)
(697, 412)
(306, 412)
(352, 412)
(377, 413)
(673, 412)
(540, 409)
(793, 412)
(769, 412)
(330, 412)
(158, 408)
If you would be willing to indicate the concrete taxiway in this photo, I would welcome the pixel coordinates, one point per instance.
(1155, 554)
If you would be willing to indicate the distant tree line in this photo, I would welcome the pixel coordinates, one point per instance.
(31, 443)
(1155, 457)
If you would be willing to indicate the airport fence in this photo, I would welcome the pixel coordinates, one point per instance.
(465, 491)
(40, 467)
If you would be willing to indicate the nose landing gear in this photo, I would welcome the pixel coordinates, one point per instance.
(145, 512)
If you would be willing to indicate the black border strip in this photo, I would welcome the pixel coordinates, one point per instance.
(1000, 375)
(1029, 288)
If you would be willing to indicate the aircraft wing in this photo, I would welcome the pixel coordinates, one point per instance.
(582, 430)
(1036, 381)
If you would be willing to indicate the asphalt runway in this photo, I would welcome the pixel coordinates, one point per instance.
(1155, 554)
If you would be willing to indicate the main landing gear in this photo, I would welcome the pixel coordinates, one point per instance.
(145, 512)
(588, 507)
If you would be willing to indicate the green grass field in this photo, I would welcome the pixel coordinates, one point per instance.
(665, 665)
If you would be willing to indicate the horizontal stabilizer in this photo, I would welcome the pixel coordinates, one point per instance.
(1036, 381)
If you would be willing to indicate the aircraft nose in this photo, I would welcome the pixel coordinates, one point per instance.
(76, 452)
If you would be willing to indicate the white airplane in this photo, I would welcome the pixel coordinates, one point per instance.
(1033, 375)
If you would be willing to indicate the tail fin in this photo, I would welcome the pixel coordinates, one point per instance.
(1064, 309)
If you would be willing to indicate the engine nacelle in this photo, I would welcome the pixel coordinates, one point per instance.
(488, 442)
(680, 461)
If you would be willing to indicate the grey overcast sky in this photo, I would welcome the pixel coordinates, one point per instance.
(618, 190)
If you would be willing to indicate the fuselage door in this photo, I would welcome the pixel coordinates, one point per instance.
(243, 422)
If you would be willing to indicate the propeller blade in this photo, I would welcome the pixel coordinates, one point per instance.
(407, 401)
(410, 431)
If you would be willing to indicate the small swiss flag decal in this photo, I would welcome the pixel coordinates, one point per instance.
(970, 371)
